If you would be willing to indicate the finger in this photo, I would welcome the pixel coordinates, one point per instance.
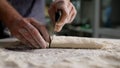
(73, 14)
(58, 27)
(36, 36)
(61, 2)
(23, 40)
(63, 20)
(70, 7)
(42, 29)
(65, 14)
(28, 37)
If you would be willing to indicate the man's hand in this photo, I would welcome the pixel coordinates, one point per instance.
(68, 13)
(27, 30)
(30, 32)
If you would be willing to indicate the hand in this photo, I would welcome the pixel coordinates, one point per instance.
(68, 13)
(30, 32)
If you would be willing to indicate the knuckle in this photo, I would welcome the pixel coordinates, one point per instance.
(35, 32)
(22, 31)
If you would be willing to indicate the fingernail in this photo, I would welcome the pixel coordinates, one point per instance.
(44, 46)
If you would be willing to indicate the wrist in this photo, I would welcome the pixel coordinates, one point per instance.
(7, 13)
(10, 20)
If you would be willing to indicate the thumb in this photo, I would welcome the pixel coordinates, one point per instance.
(58, 27)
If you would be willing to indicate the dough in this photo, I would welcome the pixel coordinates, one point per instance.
(77, 42)
(61, 42)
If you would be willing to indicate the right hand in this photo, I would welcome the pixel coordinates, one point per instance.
(30, 32)
(68, 12)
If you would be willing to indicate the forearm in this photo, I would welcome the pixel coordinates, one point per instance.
(7, 13)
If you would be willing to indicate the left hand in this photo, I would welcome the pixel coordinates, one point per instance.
(68, 13)
(30, 32)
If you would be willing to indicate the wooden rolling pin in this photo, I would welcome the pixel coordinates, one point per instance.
(60, 42)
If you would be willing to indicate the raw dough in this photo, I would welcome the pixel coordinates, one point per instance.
(62, 42)
(77, 42)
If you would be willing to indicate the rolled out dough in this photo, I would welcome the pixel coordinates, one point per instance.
(62, 42)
